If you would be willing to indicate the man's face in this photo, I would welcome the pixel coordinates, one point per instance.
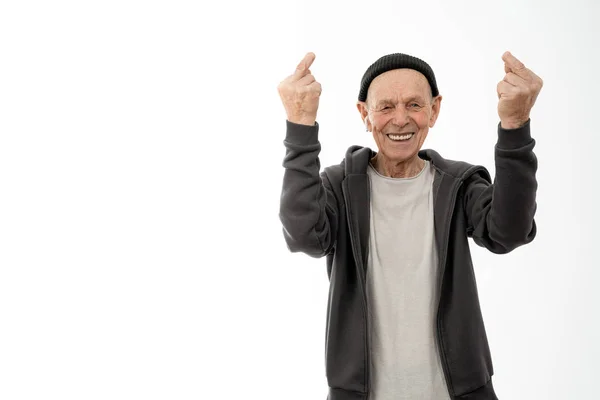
(399, 111)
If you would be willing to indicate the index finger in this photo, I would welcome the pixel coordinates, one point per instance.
(304, 65)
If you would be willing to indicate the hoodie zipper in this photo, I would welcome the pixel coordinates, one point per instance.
(367, 335)
(443, 259)
(444, 360)
(363, 280)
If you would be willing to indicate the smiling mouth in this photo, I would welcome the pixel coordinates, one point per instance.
(400, 138)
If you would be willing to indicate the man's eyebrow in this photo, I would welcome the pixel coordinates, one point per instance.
(416, 98)
(411, 98)
(383, 102)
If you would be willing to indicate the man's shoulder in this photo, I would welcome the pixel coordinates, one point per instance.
(455, 168)
(335, 173)
(355, 161)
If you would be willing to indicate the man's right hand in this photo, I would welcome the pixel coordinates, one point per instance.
(300, 93)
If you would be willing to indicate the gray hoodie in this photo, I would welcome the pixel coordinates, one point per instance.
(326, 214)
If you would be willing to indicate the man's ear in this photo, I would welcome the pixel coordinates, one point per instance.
(435, 110)
(364, 114)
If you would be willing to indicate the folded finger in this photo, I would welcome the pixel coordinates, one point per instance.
(306, 80)
(514, 79)
(504, 88)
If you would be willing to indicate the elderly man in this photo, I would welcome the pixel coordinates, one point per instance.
(403, 316)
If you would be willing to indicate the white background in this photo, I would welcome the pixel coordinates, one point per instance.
(141, 254)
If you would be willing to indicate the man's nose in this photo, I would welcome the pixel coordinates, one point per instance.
(401, 116)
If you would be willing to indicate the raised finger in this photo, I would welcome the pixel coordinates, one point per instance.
(513, 64)
(512, 61)
(304, 65)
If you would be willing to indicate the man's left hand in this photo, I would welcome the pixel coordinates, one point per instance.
(517, 92)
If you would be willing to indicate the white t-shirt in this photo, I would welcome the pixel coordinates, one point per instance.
(402, 276)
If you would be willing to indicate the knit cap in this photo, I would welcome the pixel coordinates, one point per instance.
(396, 61)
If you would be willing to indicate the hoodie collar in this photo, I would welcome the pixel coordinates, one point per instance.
(358, 157)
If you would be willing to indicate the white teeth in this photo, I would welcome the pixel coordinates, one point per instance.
(400, 137)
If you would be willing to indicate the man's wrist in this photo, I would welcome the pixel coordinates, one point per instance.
(301, 134)
(513, 124)
(310, 121)
(510, 139)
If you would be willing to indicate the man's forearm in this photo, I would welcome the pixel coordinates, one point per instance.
(304, 210)
(502, 214)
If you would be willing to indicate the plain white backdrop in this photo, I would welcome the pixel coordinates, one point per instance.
(141, 254)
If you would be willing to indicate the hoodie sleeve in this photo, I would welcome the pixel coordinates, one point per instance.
(501, 215)
(308, 208)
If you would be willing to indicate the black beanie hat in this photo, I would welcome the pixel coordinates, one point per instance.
(396, 61)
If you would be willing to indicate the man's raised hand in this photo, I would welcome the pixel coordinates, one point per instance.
(300, 93)
(517, 92)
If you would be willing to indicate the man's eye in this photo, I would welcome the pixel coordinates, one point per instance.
(414, 105)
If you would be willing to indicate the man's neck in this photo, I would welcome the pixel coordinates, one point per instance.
(405, 169)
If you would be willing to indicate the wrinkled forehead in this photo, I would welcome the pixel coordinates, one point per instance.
(398, 84)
